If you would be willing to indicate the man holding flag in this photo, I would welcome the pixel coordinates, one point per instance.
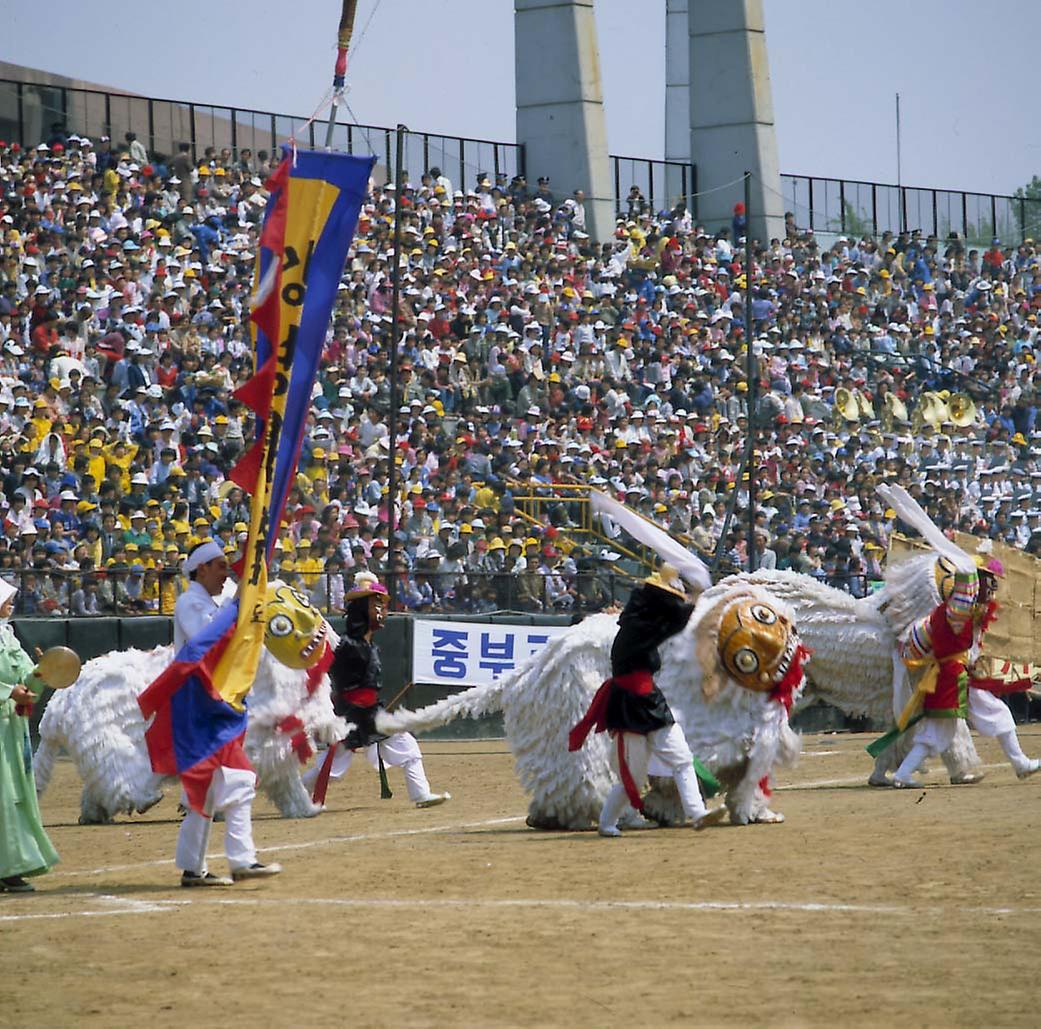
(231, 779)
(197, 706)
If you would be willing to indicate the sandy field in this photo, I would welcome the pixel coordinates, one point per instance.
(867, 907)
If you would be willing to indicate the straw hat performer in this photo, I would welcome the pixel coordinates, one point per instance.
(356, 675)
(631, 707)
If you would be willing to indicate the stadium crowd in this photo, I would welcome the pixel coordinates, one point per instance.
(530, 357)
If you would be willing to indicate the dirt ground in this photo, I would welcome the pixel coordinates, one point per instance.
(867, 907)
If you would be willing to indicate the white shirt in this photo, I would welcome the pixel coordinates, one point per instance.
(192, 613)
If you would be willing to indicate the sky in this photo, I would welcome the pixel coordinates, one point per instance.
(966, 73)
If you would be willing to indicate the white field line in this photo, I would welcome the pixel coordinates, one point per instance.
(326, 841)
(330, 841)
(114, 906)
(853, 780)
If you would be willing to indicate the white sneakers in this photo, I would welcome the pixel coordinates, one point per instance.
(905, 784)
(433, 800)
(203, 879)
(255, 871)
(1028, 768)
(713, 817)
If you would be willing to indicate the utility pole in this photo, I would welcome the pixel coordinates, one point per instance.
(395, 401)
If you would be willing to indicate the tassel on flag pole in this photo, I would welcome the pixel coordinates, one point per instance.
(343, 41)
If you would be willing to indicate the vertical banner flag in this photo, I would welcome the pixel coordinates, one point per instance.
(307, 230)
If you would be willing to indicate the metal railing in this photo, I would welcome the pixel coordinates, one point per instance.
(29, 110)
(120, 592)
(849, 206)
(642, 185)
(855, 208)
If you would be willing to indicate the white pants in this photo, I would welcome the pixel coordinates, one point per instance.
(399, 751)
(669, 749)
(935, 734)
(989, 715)
(231, 791)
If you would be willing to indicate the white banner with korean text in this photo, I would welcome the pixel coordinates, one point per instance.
(474, 653)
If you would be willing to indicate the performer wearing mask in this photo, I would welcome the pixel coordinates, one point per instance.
(632, 708)
(25, 850)
(231, 779)
(944, 648)
(356, 675)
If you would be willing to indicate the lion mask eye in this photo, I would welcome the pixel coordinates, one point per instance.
(763, 614)
(280, 625)
(746, 661)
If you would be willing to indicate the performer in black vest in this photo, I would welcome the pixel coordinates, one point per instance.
(357, 676)
(632, 708)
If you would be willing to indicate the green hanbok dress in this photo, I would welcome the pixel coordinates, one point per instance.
(25, 849)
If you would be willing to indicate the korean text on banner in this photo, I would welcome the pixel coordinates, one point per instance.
(474, 653)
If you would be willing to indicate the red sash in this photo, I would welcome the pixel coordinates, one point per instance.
(595, 719)
(640, 684)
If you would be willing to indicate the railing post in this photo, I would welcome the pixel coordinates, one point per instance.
(523, 169)
(994, 215)
(694, 191)
(235, 134)
(936, 226)
(650, 185)
(1022, 219)
(21, 117)
(108, 115)
(964, 216)
(310, 132)
(426, 156)
(617, 187)
(842, 205)
(274, 136)
(191, 127)
(809, 197)
(350, 138)
(64, 108)
(874, 210)
(495, 160)
(462, 165)
(151, 126)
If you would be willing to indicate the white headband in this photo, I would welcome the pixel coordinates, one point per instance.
(208, 551)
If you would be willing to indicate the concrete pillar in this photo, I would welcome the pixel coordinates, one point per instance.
(732, 114)
(677, 99)
(560, 104)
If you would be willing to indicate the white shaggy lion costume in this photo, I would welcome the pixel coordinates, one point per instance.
(98, 723)
(739, 733)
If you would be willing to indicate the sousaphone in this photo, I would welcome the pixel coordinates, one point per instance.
(847, 409)
(932, 408)
(893, 410)
(962, 410)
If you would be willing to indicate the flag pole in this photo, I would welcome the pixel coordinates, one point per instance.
(752, 372)
(343, 41)
(395, 307)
